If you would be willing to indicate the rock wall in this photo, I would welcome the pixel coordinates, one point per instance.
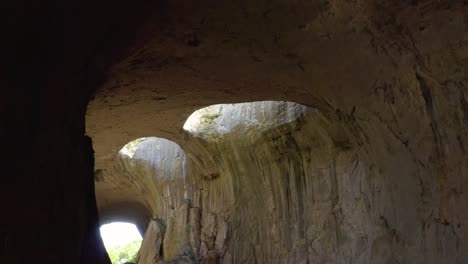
(376, 173)
(387, 77)
(311, 190)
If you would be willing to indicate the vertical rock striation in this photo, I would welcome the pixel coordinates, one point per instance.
(370, 165)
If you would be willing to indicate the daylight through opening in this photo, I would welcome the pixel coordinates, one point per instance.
(122, 241)
(219, 120)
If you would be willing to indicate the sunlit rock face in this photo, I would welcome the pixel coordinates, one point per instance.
(165, 157)
(276, 186)
(148, 173)
(151, 248)
(219, 120)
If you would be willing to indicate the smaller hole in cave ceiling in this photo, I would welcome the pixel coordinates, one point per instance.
(165, 156)
(223, 119)
(121, 240)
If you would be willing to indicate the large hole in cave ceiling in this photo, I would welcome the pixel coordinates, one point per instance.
(219, 120)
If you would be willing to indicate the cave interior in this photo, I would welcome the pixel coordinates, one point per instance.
(250, 131)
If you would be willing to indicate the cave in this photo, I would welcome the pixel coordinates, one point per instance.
(323, 131)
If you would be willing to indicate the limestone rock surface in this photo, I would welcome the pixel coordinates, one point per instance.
(366, 159)
(151, 247)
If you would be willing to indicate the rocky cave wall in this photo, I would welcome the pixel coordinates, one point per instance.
(387, 76)
(306, 189)
(376, 175)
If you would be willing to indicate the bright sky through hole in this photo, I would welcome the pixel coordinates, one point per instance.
(119, 234)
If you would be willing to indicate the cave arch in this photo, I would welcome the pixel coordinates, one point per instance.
(145, 185)
(217, 120)
(146, 171)
(131, 212)
(356, 166)
(164, 156)
(390, 73)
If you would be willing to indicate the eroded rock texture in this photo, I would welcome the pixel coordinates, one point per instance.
(304, 188)
(375, 171)
(151, 247)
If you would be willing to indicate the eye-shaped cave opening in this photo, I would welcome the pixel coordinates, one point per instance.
(220, 120)
(164, 157)
(122, 241)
